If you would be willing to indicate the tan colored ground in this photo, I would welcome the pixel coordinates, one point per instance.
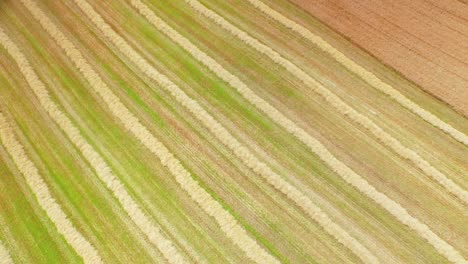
(425, 40)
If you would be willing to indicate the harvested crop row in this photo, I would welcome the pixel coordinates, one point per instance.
(39, 187)
(226, 221)
(236, 152)
(218, 130)
(264, 133)
(344, 171)
(223, 181)
(239, 236)
(97, 162)
(366, 75)
(224, 136)
(5, 257)
(337, 103)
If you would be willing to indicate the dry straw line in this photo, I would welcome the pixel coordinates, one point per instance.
(340, 168)
(340, 105)
(41, 191)
(337, 103)
(224, 136)
(366, 75)
(97, 162)
(5, 257)
(225, 220)
(228, 224)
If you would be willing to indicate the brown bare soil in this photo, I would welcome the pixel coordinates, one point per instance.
(425, 40)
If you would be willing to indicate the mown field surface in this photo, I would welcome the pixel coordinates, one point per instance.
(203, 131)
(425, 40)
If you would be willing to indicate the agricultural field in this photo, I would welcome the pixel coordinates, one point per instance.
(205, 131)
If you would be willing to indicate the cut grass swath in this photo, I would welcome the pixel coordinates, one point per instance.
(5, 257)
(39, 187)
(223, 135)
(232, 147)
(337, 103)
(218, 130)
(96, 161)
(344, 171)
(360, 71)
(225, 220)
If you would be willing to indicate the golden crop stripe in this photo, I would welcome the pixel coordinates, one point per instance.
(366, 75)
(315, 146)
(96, 161)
